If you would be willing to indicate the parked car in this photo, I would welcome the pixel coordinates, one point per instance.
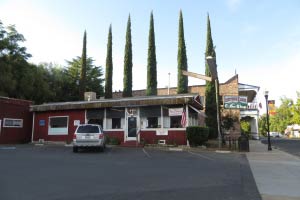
(275, 134)
(89, 136)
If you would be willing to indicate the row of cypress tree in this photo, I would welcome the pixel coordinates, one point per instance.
(182, 81)
(182, 85)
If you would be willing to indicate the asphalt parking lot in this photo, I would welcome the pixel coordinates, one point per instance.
(54, 172)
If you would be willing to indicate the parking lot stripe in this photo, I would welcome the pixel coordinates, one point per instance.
(146, 153)
(7, 148)
(205, 157)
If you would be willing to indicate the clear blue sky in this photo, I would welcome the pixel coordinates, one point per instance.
(259, 39)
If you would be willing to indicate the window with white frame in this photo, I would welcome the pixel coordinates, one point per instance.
(166, 118)
(150, 116)
(175, 122)
(58, 125)
(95, 116)
(175, 115)
(96, 121)
(152, 122)
(12, 123)
(115, 118)
(193, 117)
(116, 123)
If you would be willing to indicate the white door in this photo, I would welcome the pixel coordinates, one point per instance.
(132, 127)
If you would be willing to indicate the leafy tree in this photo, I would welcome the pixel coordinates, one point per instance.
(228, 121)
(127, 80)
(182, 84)
(9, 42)
(13, 62)
(286, 114)
(94, 82)
(109, 66)
(44, 82)
(18, 78)
(210, 91)
(44, 91)
(151, 66)
(245, 124)
(7, 81)
(283, 116)
(82, 82)
(295, 110)
(262, 125)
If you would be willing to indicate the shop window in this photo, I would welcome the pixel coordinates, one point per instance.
(166, 122)
(96, 121)
(58, 126)
(152, 122)
(12, 123)
(175, 121)
(116, 123)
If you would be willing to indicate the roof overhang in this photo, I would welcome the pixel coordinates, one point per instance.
(122, 102)
(248, 90)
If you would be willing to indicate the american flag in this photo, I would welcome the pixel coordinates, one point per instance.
(183, 117)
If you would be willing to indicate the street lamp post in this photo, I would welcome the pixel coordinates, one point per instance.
(268, 125)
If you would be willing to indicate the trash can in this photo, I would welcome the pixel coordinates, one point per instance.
(243, 143)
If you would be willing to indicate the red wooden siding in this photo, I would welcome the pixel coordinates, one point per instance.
(15, 109)
(115, 134)
(41, 131)
(177, 137)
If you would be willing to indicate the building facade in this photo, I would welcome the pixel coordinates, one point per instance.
(151, 119)
(15, 121)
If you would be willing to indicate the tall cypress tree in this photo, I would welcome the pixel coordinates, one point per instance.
(210, 92)
(151, 66)
(109, 66)
(127, 80)
(82, 82)
(182, 82)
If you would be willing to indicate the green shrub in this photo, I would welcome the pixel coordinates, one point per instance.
(143, 141)
(213, 133)
(197, 135)
(113, 141)
(172, 142)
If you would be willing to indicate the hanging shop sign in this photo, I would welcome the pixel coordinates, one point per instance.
(272, 108)
(235, 102)
(175, 111)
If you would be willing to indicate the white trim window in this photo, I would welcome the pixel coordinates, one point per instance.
(115, 123)
(12, 123)
(58, 125)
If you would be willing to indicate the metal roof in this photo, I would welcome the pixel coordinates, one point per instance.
(121, 102)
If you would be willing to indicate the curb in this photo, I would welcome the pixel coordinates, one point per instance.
(175, 149)
(222, 151)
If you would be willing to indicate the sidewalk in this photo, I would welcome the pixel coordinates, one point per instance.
(276, 173)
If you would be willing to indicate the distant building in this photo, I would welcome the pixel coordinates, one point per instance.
(15, 121)
(293, 131)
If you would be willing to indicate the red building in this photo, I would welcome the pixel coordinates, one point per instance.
(151, 119)
(15, 121)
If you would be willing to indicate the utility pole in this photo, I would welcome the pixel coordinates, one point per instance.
(169, 84)
(211, 61)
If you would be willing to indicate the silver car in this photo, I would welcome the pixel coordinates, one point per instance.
(89, 136)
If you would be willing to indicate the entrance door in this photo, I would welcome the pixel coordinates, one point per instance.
(132, 128)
